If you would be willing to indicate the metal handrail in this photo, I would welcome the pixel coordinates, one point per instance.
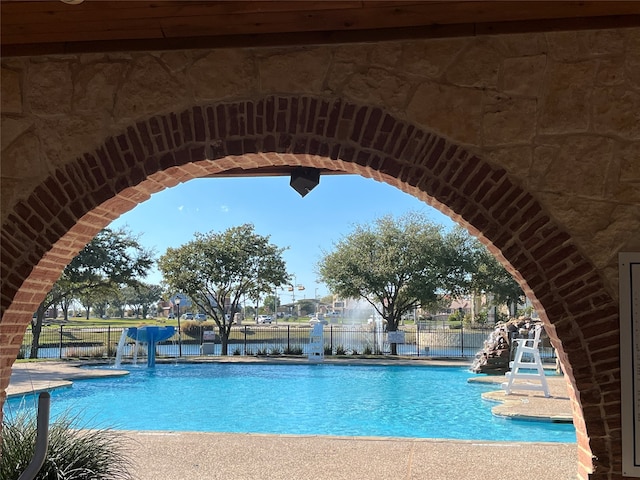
(42, 438)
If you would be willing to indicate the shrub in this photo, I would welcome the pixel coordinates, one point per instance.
(276, 351)
(340, 350)
(90, 352)
(293, 351)
(237, 351)
(354, 352)
(482, 319)
(194, 329)
(262, 351)
(190, 328)
(328, 350)
(368, 350)
(73, 453)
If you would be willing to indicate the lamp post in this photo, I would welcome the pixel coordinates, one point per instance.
(292, 288)
(275, 304)
(300, 287)
(179, 333)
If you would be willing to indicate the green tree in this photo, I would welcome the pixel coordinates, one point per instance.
(306, 307)
(118, 300)
(271, 303)
(141, 297)
(216, 270)
(112, 258)
(492, 278)
(393, 264)
(459, 254)
(327, 300)
(472, 269)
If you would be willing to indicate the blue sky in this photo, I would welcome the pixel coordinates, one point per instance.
(308, 226)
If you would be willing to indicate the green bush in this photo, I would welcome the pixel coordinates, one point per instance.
(340, 350)
(328, 350)
(74, 452)
(92, 352)
(367, 350)
(293, 351)
(194, 329)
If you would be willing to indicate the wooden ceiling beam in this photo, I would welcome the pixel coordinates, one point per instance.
(47, 27)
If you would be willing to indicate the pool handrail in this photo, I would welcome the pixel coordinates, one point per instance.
(42, 438)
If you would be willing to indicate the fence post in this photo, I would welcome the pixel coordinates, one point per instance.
(288, 338)
(331, 338)
(462, 338)
(418, 338)
(108, 340)
(60, 343)
(245, 339)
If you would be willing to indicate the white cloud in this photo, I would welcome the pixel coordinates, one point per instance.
(224, 208)
(180, 208)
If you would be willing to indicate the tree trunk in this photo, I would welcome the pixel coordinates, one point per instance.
(65, 309)
(36, 328)
(392, 326)
(224, 340)
(225, 330)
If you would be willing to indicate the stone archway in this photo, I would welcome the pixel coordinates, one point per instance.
(66, 210)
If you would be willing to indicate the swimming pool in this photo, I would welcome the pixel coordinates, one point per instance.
(305, 399)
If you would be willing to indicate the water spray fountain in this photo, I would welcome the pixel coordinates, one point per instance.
(150, 335)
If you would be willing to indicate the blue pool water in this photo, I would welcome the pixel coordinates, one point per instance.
(314, 399)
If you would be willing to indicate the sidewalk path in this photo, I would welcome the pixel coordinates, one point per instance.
(195, 456)
(35, 377)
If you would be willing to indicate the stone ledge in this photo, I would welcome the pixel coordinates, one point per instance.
(530, 405)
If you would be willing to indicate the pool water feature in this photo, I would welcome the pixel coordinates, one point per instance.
(149, 335)
(306, 399)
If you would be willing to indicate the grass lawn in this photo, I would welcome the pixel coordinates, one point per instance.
(114, 322)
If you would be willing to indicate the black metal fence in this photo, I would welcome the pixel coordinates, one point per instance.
(103, 342)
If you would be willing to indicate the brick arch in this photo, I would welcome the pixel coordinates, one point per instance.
(46, 230)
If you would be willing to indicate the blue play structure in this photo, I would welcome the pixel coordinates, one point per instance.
(150, 335)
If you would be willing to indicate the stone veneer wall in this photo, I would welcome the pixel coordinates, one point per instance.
(530, 141)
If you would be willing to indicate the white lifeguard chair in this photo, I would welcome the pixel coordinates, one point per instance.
(527, 358)
(316, 343)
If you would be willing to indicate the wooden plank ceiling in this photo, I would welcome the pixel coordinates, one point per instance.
(58, 26)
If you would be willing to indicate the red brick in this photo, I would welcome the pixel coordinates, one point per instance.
(333, 118)
(186, 126)
(292, 120)
(311, 115)
(358, 124)
(371, 128)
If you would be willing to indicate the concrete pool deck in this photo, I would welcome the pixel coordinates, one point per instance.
(188, 455)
